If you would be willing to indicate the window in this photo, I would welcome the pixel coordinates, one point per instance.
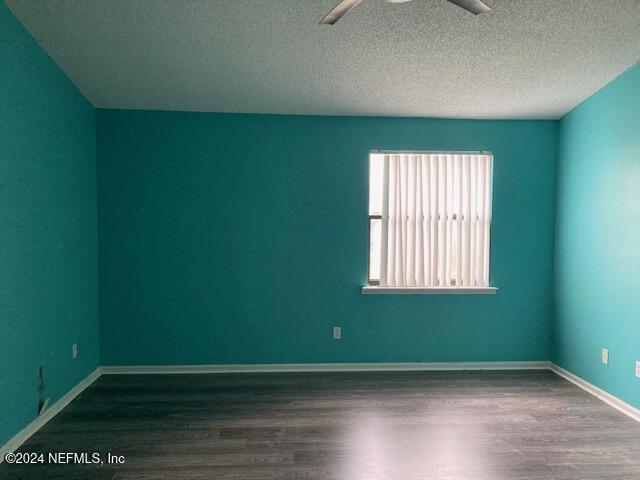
(429, 222)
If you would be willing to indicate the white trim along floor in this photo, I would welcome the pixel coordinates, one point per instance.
(14, 443)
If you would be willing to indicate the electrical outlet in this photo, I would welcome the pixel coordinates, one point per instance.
(337, 333)
(605, 356)
(638, 369)
(74, 350)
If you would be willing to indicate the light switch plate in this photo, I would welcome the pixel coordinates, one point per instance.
(74, 350)
(605, 356)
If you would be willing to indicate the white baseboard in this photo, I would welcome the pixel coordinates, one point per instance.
(615, 402)
(15, 442)
(324, 367)
(18, 439)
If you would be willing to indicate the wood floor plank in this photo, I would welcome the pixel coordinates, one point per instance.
(340, 426)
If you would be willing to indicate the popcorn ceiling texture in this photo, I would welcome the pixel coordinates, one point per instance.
(525, 59)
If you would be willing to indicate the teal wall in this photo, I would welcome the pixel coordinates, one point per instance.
(48, 235)
(243, 239)
(597, 266)
(229, 238)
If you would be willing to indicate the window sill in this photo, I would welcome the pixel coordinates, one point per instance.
(375, 290)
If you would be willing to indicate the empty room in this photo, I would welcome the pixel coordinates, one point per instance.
(320, 239)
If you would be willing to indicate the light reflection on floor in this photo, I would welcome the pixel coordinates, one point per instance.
(438, 446)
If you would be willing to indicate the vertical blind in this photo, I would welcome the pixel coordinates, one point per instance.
(430, 219)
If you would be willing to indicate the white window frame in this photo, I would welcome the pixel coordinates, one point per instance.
(373, 285)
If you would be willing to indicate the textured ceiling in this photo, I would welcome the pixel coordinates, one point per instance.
(525, 59)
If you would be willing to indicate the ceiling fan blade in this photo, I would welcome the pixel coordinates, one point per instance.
(474, 6)
(340, 10)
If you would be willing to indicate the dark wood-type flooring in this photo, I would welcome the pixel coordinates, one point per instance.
(344, 426)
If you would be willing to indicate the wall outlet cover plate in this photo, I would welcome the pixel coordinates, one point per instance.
(337, 333)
